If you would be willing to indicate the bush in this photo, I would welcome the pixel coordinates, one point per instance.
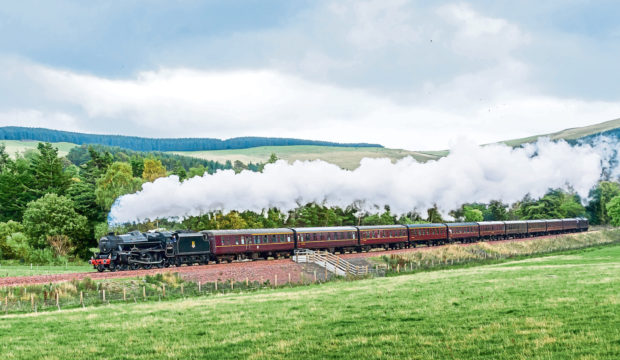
(18, 246)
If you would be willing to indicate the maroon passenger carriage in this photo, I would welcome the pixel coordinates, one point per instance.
(516, 229)
(383, 236)
(554, 226)
(335, 238)
(250, 243)
(492, 230)
(463, 232)
(570, 225)
(427, 234)
(536, 227)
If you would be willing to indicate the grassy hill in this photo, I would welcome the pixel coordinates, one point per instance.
(345, 157)
(560, 306)
(18, 146)
(570, 134)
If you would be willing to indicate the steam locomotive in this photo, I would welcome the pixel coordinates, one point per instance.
(137, 250)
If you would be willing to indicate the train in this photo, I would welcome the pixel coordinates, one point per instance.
(137, 250)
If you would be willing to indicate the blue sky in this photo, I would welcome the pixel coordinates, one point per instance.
(406, 74)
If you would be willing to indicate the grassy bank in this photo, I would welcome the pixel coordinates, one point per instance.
(13, 268)
(484, 253)
(562, 306)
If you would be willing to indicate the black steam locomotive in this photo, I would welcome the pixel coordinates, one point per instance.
(137, 250)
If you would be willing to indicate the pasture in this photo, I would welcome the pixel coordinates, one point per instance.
(14, 146)
(10, 269)
(345, 157)
(559, 306)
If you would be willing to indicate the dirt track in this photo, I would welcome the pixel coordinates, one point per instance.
(253, 270)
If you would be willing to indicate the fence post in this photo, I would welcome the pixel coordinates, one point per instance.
(82, 298)
(289, 278)
(247, 282)
(6, 304)
(144, 293)
(315, 276)
(199, 287)
(215, 285)
(103, 295)
(124, 294)
(182, 292)
(276, 281)
(398, 268)
(32, 301)
(57, 302)
(163, 288)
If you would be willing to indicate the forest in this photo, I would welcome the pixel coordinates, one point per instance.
(157, 144)
(53, 209)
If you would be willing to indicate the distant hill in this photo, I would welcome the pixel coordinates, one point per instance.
(610, 128)
(158, 144)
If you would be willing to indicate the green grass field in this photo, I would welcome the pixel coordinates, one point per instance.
(345, 157)
(26, 270)
(561, 306)
(14, 146)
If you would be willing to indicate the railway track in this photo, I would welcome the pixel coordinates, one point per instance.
(237, 270)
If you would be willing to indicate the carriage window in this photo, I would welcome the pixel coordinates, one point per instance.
(243, 240)
(288, 239)
(236, 240)
(353, 236)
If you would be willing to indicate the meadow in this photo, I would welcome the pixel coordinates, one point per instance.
(345, 157)
(15, 146)
(557, 306)
(13, 268)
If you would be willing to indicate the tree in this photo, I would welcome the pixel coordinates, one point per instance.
(153, 169)
(600, 197)
(46, 168)
(434, 216)
(613, 210)
(53, 215)
(199, 170)
(16, 183)
(497, 210)
(116, 181)
(6, 230)
(472, 214)
(5, 160)
(179, 171)
(137, 165)
(83, 196)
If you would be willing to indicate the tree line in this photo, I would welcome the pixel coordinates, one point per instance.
(157, 144)
(55, 208)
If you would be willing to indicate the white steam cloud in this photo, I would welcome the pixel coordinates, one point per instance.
(469, 174)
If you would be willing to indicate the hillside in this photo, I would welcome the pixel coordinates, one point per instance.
(607, 127)
(157, 144)
(345, 157)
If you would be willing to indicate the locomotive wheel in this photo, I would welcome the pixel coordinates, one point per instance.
(100, 268)
(113, 267)
(134, 266)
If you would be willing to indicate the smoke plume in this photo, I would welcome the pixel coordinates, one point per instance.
(470, 173)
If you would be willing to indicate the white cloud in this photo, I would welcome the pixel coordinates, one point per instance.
(189, 102)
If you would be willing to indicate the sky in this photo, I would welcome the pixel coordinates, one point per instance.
(416, 75)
